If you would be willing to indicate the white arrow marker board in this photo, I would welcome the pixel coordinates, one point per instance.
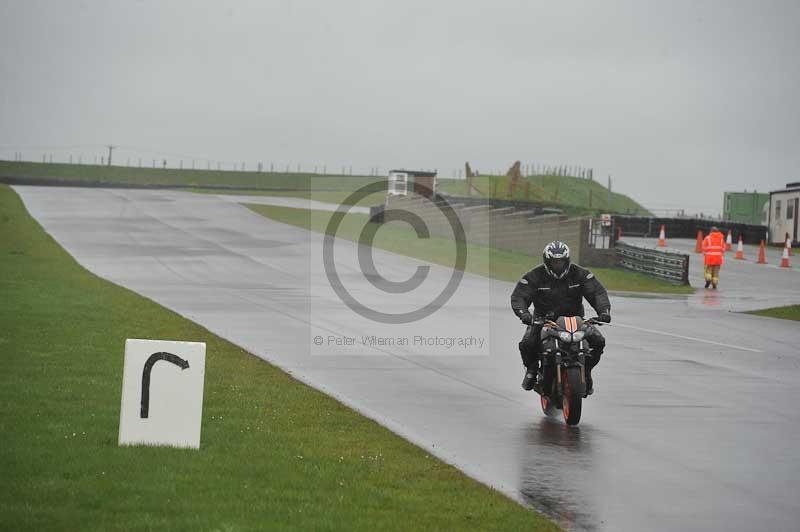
(162, 393)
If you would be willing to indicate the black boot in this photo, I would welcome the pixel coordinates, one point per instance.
(589, 382)
(530, 378)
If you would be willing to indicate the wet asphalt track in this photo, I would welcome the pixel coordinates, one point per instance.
(695, 425)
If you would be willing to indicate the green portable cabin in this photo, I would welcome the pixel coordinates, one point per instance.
(745, 207)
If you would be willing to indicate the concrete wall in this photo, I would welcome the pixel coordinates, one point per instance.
(504, 228)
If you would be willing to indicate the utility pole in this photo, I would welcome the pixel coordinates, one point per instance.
(609, 192)
(110, 149)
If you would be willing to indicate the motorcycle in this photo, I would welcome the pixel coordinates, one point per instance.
(564, 352)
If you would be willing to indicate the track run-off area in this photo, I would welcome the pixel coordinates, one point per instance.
(693, 426)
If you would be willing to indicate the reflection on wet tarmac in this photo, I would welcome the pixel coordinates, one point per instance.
(711, 298)
(557, 470)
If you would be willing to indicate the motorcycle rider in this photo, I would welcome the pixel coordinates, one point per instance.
(557, 288)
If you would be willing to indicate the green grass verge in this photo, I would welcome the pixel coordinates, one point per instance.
(275, 453)
(339, 198)
(489, 262)
(791, 312)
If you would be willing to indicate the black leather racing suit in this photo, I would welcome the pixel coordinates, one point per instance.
(558, 297)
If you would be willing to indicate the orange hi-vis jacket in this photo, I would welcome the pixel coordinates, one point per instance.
(714, 249)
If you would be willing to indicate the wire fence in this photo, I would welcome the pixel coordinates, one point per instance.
(143, 157)
(175, 163)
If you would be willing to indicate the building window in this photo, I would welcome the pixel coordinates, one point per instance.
(789, 210)
(398, 184)
(777, 209)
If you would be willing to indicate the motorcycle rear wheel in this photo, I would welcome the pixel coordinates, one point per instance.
(572, 399)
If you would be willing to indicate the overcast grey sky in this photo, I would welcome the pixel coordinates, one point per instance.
(677, 100)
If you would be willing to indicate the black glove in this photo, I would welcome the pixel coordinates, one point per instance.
(604, 317)
(526, 318)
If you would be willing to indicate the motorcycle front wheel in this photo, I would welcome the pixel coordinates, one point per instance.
(573, 399)
(548, 407)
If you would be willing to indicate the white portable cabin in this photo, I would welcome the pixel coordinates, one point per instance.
(405, 182)
(783, 214)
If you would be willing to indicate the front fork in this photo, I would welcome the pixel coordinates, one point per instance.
(558, 362)
(559, 385)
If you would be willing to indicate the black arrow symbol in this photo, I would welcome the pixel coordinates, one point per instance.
(148, 367)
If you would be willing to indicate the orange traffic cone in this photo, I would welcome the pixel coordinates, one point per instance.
(728, 241)
(662, 239)
(788, 244)
(698, 247)
(785, 258)
(762, 256)
(740, 249)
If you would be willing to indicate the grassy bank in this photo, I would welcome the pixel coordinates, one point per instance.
(174, 177)
(275, 454)
(574, 194)
(498, 264)
(791, 312)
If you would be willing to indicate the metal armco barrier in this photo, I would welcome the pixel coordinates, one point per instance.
(671, 266)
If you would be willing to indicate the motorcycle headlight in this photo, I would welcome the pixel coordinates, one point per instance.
(578, 336)
(564, 336)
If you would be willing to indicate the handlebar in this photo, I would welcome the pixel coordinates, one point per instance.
(550, 323)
